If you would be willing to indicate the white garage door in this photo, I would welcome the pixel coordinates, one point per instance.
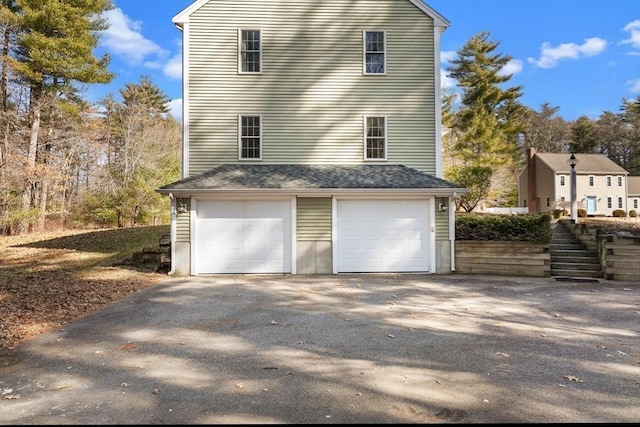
(382, 236)
(243, 237)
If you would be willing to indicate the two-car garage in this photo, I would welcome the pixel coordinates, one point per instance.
(257, 236)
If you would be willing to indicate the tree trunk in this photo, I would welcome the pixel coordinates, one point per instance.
(30, 167)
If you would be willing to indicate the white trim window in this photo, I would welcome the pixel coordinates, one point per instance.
(375, 138)
(374, 52)
(249, 51)
(635, 203)
(619, 181)
(620, 204)
(609, 203)
(250, 137)
(562, 180)
(592, 181)
(609, 181)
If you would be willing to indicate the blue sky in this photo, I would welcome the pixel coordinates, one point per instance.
(582, 56)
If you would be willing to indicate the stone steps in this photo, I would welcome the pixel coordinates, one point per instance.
(569, 257)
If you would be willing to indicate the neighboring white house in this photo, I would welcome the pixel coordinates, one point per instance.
(544, 185)
(633, 193)
(312, 139)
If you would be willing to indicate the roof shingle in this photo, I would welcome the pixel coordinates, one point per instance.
(304, 177)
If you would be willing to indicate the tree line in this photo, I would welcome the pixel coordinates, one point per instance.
(64, 161)
(67, 162)
(490, 131)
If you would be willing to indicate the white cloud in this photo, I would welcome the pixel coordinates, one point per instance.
(551, 56)
(447, 56)
(175, 108)
(173, 68)
(634, 85)
(633, 28)
(447, 82)
(512, 67)
(124, 39)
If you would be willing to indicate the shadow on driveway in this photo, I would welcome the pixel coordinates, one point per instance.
(338, 349)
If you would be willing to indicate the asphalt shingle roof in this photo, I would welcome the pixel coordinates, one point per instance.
(587, 163)
(303, 177)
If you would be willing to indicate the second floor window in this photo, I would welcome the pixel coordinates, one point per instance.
(591, 180)
(250, 55)
(619, 181)
(375, 138)
(374, 52)
(561, 180)
(635, 203)
(250, 137)
(608, 181)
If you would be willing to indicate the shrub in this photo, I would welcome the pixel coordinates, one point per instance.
(633, 213)
(496, 227)
(619, 213)
(582, 213)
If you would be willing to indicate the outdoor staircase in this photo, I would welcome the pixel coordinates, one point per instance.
(570, 258)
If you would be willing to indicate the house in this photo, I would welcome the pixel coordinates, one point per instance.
(544, 185)
(633, 193)
(312, 139)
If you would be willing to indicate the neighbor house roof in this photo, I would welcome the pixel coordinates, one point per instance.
(439, 20)
(587, 163)
(633, 185)
(311, 177)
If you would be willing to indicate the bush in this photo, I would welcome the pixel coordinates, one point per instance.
(582, 213)
(619, 213)
(496, 227)
(633, 213)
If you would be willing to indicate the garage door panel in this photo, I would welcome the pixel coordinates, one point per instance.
(382, 236)
(243, 237)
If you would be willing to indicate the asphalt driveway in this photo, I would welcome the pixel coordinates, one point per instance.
(338, 349)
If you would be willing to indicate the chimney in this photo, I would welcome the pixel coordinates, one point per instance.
(532, 196)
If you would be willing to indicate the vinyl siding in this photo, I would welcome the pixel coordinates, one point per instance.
(442, 225)
(312, 94)
(183, 229)
(314, 219)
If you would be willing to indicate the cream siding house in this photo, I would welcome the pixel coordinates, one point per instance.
(544, 185)
(633, 193)
(312, 139)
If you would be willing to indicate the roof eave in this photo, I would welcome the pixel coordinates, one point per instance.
(316, 192)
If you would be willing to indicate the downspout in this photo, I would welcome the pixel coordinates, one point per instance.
(452, 232)
(173, 233)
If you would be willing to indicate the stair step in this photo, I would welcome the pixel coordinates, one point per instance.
(567, 246)
(575, 260)
(577, 273)
(570, 257)
(581, 253)
(575, 266)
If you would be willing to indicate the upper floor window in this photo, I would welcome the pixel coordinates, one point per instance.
(635, 203)
(562, 180)
(591, 180)
(375, 138)
(619, 181)
(250, 145)
(609, 181)
(250, 51)
(374, 52)
(548, 201)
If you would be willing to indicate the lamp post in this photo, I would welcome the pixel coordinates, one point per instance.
(574, 203)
